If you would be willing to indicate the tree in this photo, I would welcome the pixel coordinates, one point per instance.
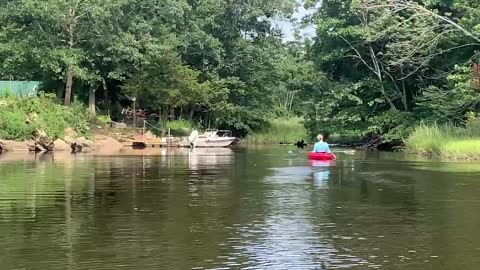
(382, 57)
(165, 84)
(56, 34)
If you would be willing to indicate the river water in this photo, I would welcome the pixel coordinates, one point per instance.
(251, 208)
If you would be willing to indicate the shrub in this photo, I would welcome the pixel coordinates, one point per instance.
(103, 119)
(13, 126)
(180, 127)
(21, 117)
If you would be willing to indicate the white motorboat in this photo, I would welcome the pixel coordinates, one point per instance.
(212, 138)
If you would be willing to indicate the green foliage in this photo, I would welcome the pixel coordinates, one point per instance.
(14, 127)
(5, 93)
(375, 66)
(172, 86)
(391, 64)
(180, 127)
(101, 119)
(23, 117)
(393, 125)
(280, 130)
(344, 140)
(452, 101)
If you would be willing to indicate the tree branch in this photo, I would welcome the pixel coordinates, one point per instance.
(359, 56)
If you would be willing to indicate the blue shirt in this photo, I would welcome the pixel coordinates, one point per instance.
(321, 147)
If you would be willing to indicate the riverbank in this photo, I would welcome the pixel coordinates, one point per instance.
(446, 141)
(99, 144)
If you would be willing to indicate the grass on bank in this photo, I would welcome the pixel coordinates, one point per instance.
(281, 130)
(446, 141)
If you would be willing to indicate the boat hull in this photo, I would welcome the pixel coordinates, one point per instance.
(321, 156)
(214, 142)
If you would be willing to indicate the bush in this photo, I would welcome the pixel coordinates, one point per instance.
(180, 127)
(22, 117)
(13, 126)
(177, 128)
(100, 120)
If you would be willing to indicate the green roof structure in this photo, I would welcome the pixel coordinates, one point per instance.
(20, 88)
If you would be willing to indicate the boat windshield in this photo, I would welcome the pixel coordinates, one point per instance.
(210, 132)
(224, 133)
(217, 133)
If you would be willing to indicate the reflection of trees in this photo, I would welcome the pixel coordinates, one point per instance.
(148, 211)
(144, 210)
(367, 207)
(391, 209)
(291, 233)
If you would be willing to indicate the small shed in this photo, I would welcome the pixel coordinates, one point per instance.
(20, 88)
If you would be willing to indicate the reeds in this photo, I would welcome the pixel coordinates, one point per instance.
(447, 141)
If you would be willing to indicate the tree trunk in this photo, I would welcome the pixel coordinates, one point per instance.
(404, 92)
(106, 96)
(60, 92)
(191, 114)
(385, 95)
(378, 71)
(71, 44)
(404, 96)
(68, 87)
(164, 117)
(160, 118)
(91, 101)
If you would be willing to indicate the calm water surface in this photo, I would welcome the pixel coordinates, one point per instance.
(255, 208)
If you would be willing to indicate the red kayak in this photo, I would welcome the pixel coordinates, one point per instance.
(321, 156)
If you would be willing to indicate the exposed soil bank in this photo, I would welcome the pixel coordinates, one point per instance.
(101, 144)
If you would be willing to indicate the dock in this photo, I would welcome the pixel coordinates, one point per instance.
(156, 143)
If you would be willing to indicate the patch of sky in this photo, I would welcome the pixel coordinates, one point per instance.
(296, 23)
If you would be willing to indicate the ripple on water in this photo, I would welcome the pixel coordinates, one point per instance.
(219, 211)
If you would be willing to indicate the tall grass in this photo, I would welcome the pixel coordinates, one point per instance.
(446, 141)
(280, 130)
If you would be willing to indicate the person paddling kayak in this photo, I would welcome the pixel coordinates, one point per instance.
(322, 147)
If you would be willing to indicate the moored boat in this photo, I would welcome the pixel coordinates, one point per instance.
(212, 138)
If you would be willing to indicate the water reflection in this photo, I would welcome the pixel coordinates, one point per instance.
(211, 158)
(322, 175)
(291, 237)
(235, 209)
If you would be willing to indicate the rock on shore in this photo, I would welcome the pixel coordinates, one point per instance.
(61, 146)
(9, 146)
(107, 146)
